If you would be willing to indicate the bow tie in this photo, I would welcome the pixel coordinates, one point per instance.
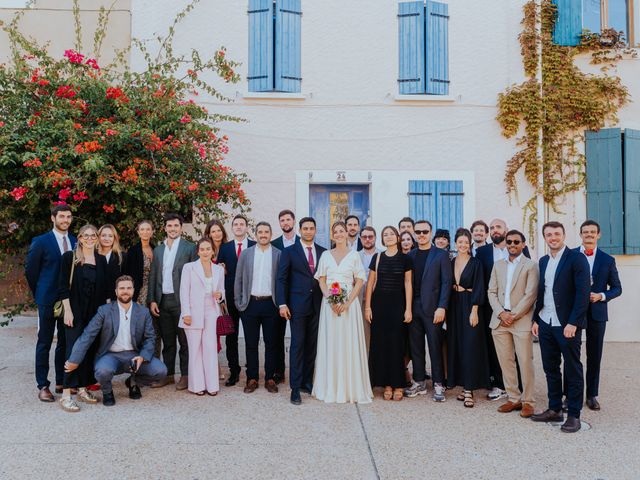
(588, 252)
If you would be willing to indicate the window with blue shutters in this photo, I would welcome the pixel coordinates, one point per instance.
(574, 16)
(423, 43)
(439, 201)
(274, 46)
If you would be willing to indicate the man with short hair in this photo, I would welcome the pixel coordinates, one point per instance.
(368, 239)
(432, 281)
(406, 224)
(605, 286)
(228, 258)
(255, 299)
(127, 341)
(479, 232)
(353, 229)
(513, 289)
(560, 316)
(42, 269)
(164, 296)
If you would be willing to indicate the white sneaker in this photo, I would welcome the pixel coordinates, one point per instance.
(69, 405)
(496, 394)
(416, 388)
(438, 393)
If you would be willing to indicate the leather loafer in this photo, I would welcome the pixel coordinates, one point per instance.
(183, 383)
(233, 379)
(45, 395)
(509, 406)
(134, 390)
(572, 425)
(108, 399)
(251, 386)
(164, 382)
(527, 410)
(295, 396)
(271, 386)
(592, 403)
(548, 416)
(307, 388)
(278, 378)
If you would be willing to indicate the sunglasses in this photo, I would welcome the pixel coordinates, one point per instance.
(514, 242)
(367, 236)
(422, 232)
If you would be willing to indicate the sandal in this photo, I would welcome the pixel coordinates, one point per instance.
(468, 399)
(200, 394)
(397, 394)
(212, 394)
(460, 397)
(388, 393)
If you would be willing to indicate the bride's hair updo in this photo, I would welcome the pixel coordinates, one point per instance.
(339, 223)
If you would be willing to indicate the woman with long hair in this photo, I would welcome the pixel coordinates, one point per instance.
(83, 287)
(109, 247)
(407, 243)
(216, 232)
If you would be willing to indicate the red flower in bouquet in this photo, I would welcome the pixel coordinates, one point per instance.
(337, 294)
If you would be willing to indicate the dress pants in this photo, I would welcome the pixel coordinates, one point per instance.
(595, 343)
(260, 313)
(494, 364)
(169, 330)
(203, 351)
(511, 344)
(46, 328)
(420, 326)
(281, 331)
(304, 346)
(115, 363)
(231, 341)
(555, 348)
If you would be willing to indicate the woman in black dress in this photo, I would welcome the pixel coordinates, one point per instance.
(468, 361)
(388, 310)
(109, 247)
(83, 288)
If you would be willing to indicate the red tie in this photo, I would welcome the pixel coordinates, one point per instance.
(588, 252)
(311, 264)
(239, 251)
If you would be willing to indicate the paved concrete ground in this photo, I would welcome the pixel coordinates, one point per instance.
(171, 434)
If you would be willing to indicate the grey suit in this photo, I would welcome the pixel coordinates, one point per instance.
(257, 312)
(169, 304)
(106, 324)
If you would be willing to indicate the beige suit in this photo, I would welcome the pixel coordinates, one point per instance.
(515, 339)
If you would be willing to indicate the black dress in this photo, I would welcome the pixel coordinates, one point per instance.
(467, 358)
(388, 330)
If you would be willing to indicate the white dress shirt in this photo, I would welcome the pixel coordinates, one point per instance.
(168, 260)
(59, 238)
(511, 268)
(108, 255)
(286, 242)
(591, 259)
(548, 313)
(500, 254)
(261, 281)
(353, 246)
(123, 342)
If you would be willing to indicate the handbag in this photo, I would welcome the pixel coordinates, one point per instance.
(58, 307)
(224, 323)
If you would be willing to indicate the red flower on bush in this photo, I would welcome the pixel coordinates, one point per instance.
(64, 193)
(110, 133)
(66, 91)
(114, 93)
(34, 162)
(92, 63)
(193, 186)
(81, 195)
(109, 208)
(18, 193)
(186, 118)
(73, 56)
(88, 147)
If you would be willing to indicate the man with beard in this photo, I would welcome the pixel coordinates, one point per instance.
(368, 238)
(479, 231)
(406, 224)
(126, 344)
(488, 255)
(353, 231)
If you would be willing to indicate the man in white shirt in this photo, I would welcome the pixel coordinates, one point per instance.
(287, 221)
(126, 344)
(254, 296)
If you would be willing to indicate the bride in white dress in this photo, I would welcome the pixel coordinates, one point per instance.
(342, 370)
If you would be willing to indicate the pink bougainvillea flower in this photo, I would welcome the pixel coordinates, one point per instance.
(73, 56)
(18, 193)
(186, 118)
(64, 193)
(92, 63)
(81, 195)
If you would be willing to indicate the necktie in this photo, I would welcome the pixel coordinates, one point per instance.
(65, 244)
(239, 251)
(588, 252)
(312, 266)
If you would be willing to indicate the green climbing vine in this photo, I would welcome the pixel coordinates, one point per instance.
(558, 110)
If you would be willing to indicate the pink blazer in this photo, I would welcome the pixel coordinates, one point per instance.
(192, 293)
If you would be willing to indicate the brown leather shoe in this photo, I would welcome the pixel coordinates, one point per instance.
(509, 406)
(527, 410)
(271, 386)
(164, 382)
(183, 383)
(45, 395)
(251, 386)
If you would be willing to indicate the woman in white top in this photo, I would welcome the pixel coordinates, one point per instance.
(342, 372)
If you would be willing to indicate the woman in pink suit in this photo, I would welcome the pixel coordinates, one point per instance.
(201, 290)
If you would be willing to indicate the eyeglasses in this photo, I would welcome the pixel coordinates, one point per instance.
(89, 236)
(422, 232)
(514, 242)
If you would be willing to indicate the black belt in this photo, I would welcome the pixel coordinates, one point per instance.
(260, 299)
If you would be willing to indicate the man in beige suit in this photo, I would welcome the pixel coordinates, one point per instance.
(512, 294)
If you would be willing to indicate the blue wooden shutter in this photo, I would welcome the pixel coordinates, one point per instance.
(260, 45)
(568, 25)
(604, 186)
(632, 191)
(319, 210)
(449, 203)
(411, 47)
(288, 20)
(437, 31)
(422, 200)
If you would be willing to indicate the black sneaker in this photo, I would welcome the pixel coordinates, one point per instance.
(134, 390)
(108, 400)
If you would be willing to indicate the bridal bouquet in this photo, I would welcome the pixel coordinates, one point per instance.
(337, 294)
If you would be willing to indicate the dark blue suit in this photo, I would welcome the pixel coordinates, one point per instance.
(435, 290)
(279, 242)
(227, 255)
(571, 298)
(605, 280)
(42, 270)
(297, 289)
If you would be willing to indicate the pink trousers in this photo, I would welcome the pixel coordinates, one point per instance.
(203, 353)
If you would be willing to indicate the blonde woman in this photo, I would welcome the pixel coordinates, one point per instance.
(109, 247)
(83, 287)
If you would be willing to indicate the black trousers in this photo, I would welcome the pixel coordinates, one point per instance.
(418, 328)
(169, 330)
(303, 349)
(495, 371)
(231, 341)
(260, 313)
(281, 330)
(595, 344)
(47, 325)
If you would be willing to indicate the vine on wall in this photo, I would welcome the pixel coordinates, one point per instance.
(558, 110)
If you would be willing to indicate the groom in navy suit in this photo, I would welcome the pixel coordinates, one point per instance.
(299, 297)
(42, 270)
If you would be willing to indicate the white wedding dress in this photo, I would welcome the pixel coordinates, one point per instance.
(342, 370)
